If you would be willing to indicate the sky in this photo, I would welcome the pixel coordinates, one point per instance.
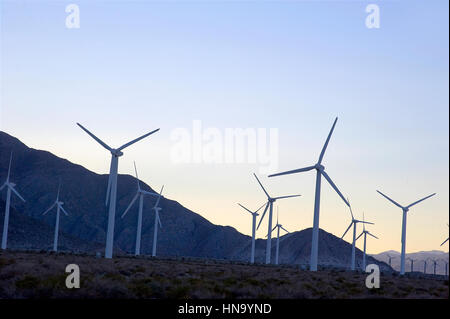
(287, 67)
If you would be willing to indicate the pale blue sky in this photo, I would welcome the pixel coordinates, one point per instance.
(292, 65)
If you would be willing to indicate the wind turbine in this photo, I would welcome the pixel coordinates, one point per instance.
(425, 266)
(10, 188)
(320, 171)
(254, 215)
(269, 204)
(446, 266)
(278, 226)
(140, 193)
(111, 192)
(156, 208)
(365, 233)
(59, 208)
(390, 258)
(412, 263)
(445, 240)
(434, 265)
(405, 209)
(353, 223)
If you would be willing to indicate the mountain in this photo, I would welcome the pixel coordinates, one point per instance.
(441, 258)
(184, 233)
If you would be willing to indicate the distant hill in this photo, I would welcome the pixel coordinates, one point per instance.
(419, 257)
(184, 232)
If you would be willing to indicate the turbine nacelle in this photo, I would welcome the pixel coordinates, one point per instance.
(319, 167)
(116, 152)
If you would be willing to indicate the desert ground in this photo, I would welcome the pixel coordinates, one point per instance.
(42, 275)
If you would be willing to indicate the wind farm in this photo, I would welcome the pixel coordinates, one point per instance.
(266, 151)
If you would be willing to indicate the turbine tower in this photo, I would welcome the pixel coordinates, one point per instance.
(365, 233)
(320, 171)
(445, 240)
(269, 204)
(278, 226)
(412, 263)
(156, 208)
(390, 259)
(10, 188)
(111, 192)
(425, 266)
(59, 208)
(434, 266)
(254, 215)
(405, 210)
(353, 223)
(140, 193)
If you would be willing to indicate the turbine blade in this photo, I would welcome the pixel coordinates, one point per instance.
(50, 208)
(288, 196)
(3, 186)
(137, 177)
(159, 197)
(18, 195)
(137, 140)
(246, 209)
(364, 226)
(149, 193)
(63, 210)
(363, 222)
(261, 185)
(9, 167)
(304, 169)
(159, 221)
(59, 188)
(262, 217)
(108, 189)
(350, 206)
(95, 138)
(444, 242)
(391, 200)
(284, 229)
(359, 236)
(274, 228)
(347, 229)
(420, 200)
(326, 142)
(260, 208)
(334, 186)
(372, 235)
(131, 204)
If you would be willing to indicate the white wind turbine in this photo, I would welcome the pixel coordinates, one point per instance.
(59, 208)
(111, 192)
(412, 263)
(434, 265)
(425, 266)
(353, 223)
(278, 226)
(445, 240)
(365, 233)
(140, 193)
(10, 188)
(405, 209)
(269, 204)
(254, 215)
(156, 208)
(320, 171)
(390, 259)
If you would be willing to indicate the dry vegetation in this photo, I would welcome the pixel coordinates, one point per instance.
(42, 275)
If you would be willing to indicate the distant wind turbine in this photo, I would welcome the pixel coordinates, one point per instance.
(59, 208)
(353, 223)
(445, 240)
(425, 266)
(10, 188)
(111, 192)
(390, 259)
(254, 215)
(405, 209)
(156, 208)
(278, 226)
(320, 171)
(446, 266)
(140, 193)
(434, 265)
(269, 204)
(365, 233)
(412, 263)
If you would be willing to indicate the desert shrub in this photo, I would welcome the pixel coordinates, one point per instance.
(28, 282)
